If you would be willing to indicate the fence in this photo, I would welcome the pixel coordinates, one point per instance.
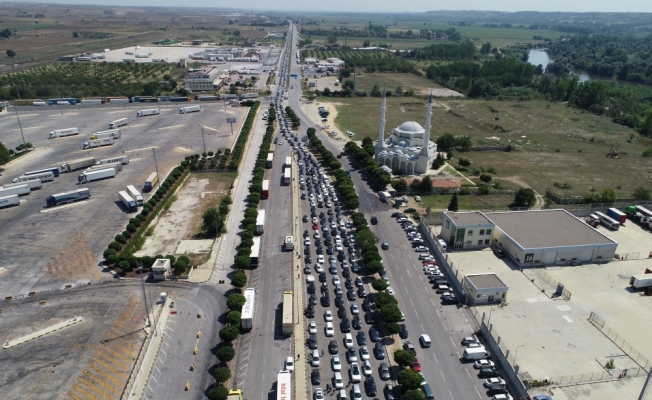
(565, 293)
(618, 340)
(589, 377)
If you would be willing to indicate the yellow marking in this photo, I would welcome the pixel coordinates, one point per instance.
(104, 375)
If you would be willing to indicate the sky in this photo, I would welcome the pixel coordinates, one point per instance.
(393, 5)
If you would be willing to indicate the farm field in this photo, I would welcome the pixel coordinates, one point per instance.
(465, 202)
(421, 86)
(554, 142)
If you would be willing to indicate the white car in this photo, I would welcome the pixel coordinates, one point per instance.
(354, 309)
(328, 316)
(483, 363)
(364, 353)
(493, 381)
(421, 249)
(314, 358)
(356, 376)
(338, 247)
(330, 331)
(430, 269)
(417, 198)
(366, 368)
(306, 241)
(312, 327)
(502, 396)
(318, 267)
(289, 363)
(351, 355)
(317, 235)
(319, 394)
(335, 363)
(336, 280)
(423, 256)
(339, 382)
(348, 340)
(389, 291)
(320, 258)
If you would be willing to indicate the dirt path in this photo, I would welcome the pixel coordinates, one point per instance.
(540, 201)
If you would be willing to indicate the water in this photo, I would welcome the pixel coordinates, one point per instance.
(540, 56)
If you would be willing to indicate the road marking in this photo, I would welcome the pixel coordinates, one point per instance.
(477, 391)
(26, 128)
(411, 303)
(63, 207)
(567, 318)
(451, 338)
(432, 301)
(155, 380)
(437, 311)
(449, 392)
(443, 377)
(435, 357)
(469, 374)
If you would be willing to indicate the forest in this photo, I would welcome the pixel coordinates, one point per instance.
(464, 50)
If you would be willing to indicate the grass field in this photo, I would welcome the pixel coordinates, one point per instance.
(554, 142)
(467, 202)
(366, 81)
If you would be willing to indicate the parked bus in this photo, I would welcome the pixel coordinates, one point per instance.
(270, 160)
(287, 176)
(265, 193)
(255, 253)
(607, 221)
(288, 306)
(288, 162)
(247, 314)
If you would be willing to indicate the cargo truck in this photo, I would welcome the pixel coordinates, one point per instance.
(248, 96)
(247, 314)
(265, 192)
(64, 132)
(91, 144)
(641, 281)
(8, 201)
(19, 190)
(32, 184)
(288, 309)
(127, 201)
(144, 113)
(151, 181)
(121, 159)
(113, 133)
(118, 122)
(70, 166)
(284, 385)
(228, 96)
(260, 222)
(476, 353)
(92, 176)
(42, 176)
(68, 197)
(116, 166)
(121, 100)
(287, 176)
(189, 109)
(206, 98)
(135, 194)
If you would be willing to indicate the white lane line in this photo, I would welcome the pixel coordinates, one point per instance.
(438, 313)
(451, 338)
(442, 376)
(415, 312)
(411, 302)
(437, 361)
(469, 374)
(449, 392)
(477, 391)
(432, 301)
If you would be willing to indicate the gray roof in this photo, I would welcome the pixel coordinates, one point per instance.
(486, 281)
(547, 228)
(468, 218)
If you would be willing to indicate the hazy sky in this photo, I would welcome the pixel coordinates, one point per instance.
(394, 5)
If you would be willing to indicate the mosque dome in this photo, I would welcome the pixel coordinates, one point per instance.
(410, 129)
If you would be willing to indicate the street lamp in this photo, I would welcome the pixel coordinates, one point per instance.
(142, 283)
(516, 353)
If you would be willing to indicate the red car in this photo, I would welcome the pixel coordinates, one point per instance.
(426, 263)
(315, 226)
(416, 366)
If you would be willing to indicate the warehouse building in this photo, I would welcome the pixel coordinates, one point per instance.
(205, 79)
(535, 237)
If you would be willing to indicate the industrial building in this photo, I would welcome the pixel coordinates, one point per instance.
(206, 79)
(484, 289)
(529, 238)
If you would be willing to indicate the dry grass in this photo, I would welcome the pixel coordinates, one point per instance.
(219, 186)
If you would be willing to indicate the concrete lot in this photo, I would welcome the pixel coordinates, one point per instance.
(556, 337)
(71, 240)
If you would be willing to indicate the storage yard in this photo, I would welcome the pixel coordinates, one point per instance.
(81, 230)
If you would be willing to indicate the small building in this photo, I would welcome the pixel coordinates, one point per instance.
(311, 60)
(161, 269)
(484, 289)
(467, 230)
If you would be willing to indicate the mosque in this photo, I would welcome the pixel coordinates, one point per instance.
(408, 148)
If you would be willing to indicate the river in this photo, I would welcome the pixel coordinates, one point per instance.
(540, 56)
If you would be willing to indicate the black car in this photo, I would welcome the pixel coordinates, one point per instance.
(410, 210)
(496, 388)
(374, 335)
(307, 269)
(345, 325)
(379, 351)
(356, 323)
(341, 311)
(333, 269)
(374, 220)
(312, 342)
(385, 246)
(369, 318)
(346, 272)
(488, 372)
(361, 338)
(329, 249)
(310, 311)
(339, 300)
(350, 294)
(355, 267)
(370, 386)
(448, 299)
(341, 256)
(324, 287)
(308, 259)
(311, 287)
(366, 304)
(315, 377)
(395, 214)
(349, 284)
(322, 277)
(404, 332)
(361, 292)
(333, 347)
(325, 300)
(320, 250)
(313, 299)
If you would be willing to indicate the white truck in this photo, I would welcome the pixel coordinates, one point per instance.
(42, 177)
(91, 176)
(640, 281)
(64, 132)
(118, 122)
(8, 201)
(127, 201)
(17, 190)
(144, 113)
(113, 133)
(133, 192)
(116, 166)
(121, 159)
(189, 109)
(284, 385)
(32, 184)
(98, 143)
(289, 243)
(70, 166)
(260, 222)
(247, 313)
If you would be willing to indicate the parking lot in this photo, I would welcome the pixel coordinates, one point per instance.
(48, 248)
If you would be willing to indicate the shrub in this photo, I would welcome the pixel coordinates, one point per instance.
(379, 285)
(109, 252)
(112, 259)
(218, 393)
(409, 379)
(235, 301)
(233, 317)
(404, 358)
(115, 246)
(226, 354)
(239, 279)
(222, 374)
(131, 228)
(229, 333)
(126, 234)
(124, 265)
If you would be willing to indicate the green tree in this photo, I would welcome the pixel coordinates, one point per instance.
(642, 193)
(524, 197)
(239, 279)
(464, 142)
(390, 313)
(235, 301)
(4, 154)
(242, 262)
(374, 267)
(233, 317)
(383, 299)
(366, 237)
(124, 265)
(414, 395)
(365, 43)
(222, 374)
(218, 393)
(229, 333)
(226, 354)
(446, 142)
(404, 358)
(453, 206)
(426, 184)
(213, 221)
(485, 178)
(331, 39)
(464, 162)
(379, 285)
(11, 53)
(393, 328)
(409, 379)
(400, 185)
(485, 48)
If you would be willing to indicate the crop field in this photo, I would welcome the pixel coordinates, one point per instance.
(554, 143)
(366, 81)
(465, 202)
(346, 54)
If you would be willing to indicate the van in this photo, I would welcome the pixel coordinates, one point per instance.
(443, 244)
(427, 391)
(425, 340)
(476, 353)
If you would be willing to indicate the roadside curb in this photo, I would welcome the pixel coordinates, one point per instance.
(40, 333)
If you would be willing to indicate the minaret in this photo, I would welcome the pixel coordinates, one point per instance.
(426, 135)
(381, 130)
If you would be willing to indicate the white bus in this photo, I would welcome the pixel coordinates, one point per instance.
(255, 253)
(287, 176)
(607, 221)
(288, 307)
(288, 162)
(247, 314)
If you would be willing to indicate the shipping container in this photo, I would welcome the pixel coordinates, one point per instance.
(287, 176)
(288, 308)
(179, 99)
(116, 166)
(127, 201)
(254, 257)
(135, 194)
(64, 132)
(19, 190)
(144, 113)
(68, 197)
(260, 222)
(91, 176)
(32, 184)
(617, 215)
(43, 176)
(70, 166)
(113, 133)
(92, 101)
(119, 101)
(97, 143)
(69, 100)
(228, 96)
(247, 313)
(270, 160)
(265, 193)
(640, 281)
(248, 96)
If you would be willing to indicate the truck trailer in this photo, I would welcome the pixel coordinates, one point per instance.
(64, 132)
(270, 160)
(144, 113)
(121, 159)
(247, 314)
(127, 201)
(151, 181)
(8, 201)
(116, 166)
(19, 190)
(135, 194)
(68, 197)
(42, 177)
(189, 109)
(265, 192)
(260, 222)
(641, 281)
(118, 122)
(284, 385)
(91, 144)
(113, 133)
(617, 215)
(70, 166)
(92, 176)
(32, 184)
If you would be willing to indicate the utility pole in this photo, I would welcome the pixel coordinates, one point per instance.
(158, 181)
(19, 124)
(59, 96)
(202, 138)
(142, 283)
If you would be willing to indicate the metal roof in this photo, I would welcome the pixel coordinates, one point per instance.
(486, 281)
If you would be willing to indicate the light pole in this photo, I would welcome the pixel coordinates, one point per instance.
(158, 180)
(59, 100)
(516, 353)
(142, 283)
(202, 138)
(19, 124)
